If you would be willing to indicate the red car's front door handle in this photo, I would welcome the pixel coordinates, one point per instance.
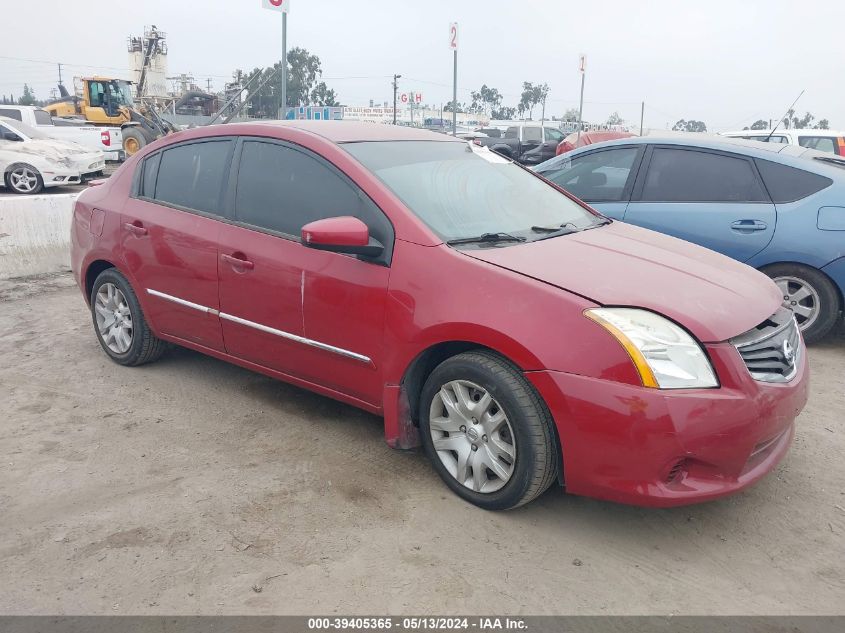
(136, 228)
(238, 262)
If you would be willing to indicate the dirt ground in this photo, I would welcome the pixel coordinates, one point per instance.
(192, 486)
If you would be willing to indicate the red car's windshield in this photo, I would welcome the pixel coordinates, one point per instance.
(460, 191)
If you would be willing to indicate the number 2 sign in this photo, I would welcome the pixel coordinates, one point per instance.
(453, 36)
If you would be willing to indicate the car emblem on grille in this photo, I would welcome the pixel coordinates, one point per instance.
(788, 353)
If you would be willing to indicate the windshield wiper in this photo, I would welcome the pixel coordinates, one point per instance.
(836, 161)
(487, 237)
(554, 229)
(602, 222)
(563, 229)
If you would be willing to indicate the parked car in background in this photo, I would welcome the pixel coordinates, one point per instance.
(588, 138)
(107, 139)
(316, 252)
(30, 160)
(527, 143)
(470, 135)
(492, 132)
(778, 208)
(831, 141)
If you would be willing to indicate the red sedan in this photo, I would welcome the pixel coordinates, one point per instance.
(519, 336)
(588, 138)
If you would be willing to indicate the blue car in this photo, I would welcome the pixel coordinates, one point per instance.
(779, 208)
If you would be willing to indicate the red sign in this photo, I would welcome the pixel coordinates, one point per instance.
(276, 5)
(453, 36)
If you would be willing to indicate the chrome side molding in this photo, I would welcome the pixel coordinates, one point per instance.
(263, 328)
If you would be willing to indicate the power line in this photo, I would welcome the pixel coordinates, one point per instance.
(53, 63)
(100, 66)
(343, 78)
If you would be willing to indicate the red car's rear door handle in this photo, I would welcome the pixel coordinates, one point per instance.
(238, 262)
(136, 228)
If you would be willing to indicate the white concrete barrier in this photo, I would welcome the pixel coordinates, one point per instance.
(35, 234)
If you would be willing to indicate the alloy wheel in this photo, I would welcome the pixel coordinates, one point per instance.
(23, 179)
(114, 319)
(472, 436)
(801, 298)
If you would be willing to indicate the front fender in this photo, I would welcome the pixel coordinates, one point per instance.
(440, 295)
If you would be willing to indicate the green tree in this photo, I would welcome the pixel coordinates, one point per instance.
(760, 124)
(615, 119)
(689, 126)
(303, 88)
(304, 68)
(525, 104)
(805, 122)
(570, 115)
(475, 106)
(485, 100)
(793, 121)
(323, 95)
(541, 93)
(450, 107)
(531, 96)
(503, 113)
(28, 97)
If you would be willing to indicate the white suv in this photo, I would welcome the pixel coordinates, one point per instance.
(832, 141)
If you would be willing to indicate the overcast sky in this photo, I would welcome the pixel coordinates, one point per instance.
(726, 62)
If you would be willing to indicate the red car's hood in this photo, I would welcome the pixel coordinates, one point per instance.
(713, 296)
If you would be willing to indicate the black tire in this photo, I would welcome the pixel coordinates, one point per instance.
(535, 466)
(145, 346)
(39, 181)
(133, 140)
(828, 297)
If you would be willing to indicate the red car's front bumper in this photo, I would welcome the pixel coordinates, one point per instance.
(672, 447)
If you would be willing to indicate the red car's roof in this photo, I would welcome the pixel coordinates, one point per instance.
(356, 131)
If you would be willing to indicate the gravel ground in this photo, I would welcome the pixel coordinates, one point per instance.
(192, 486)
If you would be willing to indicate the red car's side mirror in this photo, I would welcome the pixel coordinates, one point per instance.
(344, 234)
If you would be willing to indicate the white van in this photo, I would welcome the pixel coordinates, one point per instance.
(832, 141)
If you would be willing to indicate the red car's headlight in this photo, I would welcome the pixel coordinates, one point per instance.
(665, 355)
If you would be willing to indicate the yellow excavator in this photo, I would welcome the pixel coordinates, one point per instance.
(109, 101)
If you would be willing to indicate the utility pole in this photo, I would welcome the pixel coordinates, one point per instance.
(284, 65)
(583, 69)
(282, 6)
(543, 113)
(60, 74)
(453, 44)
(642, 117)
(395, 88)
(455, 96)
(208, 84)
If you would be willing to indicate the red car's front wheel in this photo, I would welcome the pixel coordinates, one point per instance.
(487, 432)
